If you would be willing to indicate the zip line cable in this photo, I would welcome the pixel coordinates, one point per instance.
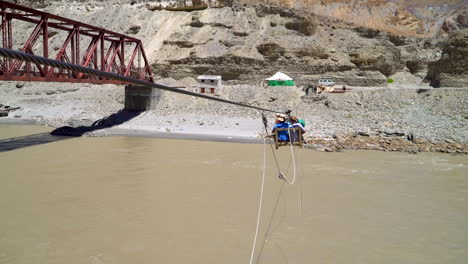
(13, 54)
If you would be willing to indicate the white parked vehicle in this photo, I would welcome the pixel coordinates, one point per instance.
(326, 82)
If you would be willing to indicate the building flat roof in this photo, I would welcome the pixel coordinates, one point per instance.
(209, 77)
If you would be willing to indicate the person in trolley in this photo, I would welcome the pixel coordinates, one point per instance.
(283, 136)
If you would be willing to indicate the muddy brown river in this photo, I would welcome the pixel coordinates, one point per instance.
(149, 200)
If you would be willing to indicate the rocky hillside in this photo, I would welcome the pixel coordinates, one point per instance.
(452, 68)
(401, 17)
(246, 41)
(411, 18)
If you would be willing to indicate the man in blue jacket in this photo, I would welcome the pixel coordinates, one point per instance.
(283, 136)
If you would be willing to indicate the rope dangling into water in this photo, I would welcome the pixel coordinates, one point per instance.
(280, 173)
(283, 177)
(262, 188)
(260, 203)
(301, 173)
(265, 125)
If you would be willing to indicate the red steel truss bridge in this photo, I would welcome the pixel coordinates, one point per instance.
(61, 39)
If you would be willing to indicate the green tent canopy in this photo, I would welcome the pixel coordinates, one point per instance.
(280, 79)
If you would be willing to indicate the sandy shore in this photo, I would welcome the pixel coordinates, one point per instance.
(176, 135)
(189, 126)
(252, 131)
(223, 130)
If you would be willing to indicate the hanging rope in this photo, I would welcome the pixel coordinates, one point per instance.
(300, 181)
(265, 125)
(285, 180)
(113, 76)
(293, 160)
(260, 203)
(107, 75)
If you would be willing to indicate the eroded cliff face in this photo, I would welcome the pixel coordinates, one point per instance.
(452, 68)
(410, 18)
(422, 18)
(248, 42)
(245, 43)
(457, 21)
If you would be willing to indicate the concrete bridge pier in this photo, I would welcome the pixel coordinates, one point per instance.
(140, 98)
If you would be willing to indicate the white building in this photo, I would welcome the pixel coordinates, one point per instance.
(208, 83)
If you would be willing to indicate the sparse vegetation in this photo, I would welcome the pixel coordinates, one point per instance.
(197, 23)
(133, 30)
(180, 8)
(187, 8)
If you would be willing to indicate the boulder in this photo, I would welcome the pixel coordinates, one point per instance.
(367, 32)
(314, 51)
(415, 59)
(457, 21)
(451, 69)
(303, 25)
(386, 60)
(340, 137)
(271, 51)
(133, 30)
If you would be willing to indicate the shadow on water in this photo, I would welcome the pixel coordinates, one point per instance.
(67, 132)
(115, 119)
(28, 141)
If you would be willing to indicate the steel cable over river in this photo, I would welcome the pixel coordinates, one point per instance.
(76, 68)
(381, 207)
(8, 53)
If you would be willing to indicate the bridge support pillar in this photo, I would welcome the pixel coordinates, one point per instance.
(140, 98)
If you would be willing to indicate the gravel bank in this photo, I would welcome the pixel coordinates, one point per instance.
(430, 115)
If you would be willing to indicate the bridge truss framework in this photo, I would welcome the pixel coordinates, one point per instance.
(73, 42)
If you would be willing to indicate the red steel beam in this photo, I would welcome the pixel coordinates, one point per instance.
(102, 51)
(63, 49)
(112, 59)
(62, 19)
(28, 46)
(130, 63)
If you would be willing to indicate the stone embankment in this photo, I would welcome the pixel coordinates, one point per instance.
(384, 142)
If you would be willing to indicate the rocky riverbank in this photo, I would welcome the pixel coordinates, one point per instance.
(245, 43)
(389, 118)
(384, 142)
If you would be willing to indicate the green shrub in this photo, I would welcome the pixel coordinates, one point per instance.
(390, 80)
(187, 8)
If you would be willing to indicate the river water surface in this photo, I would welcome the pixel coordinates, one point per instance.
(149, 200)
